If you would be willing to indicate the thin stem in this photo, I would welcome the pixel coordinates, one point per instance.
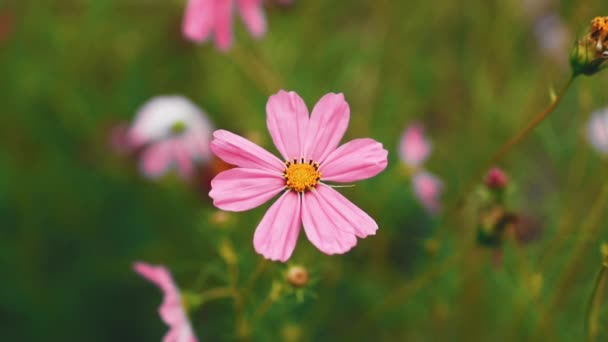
(593, 305)
(217, 293)
(587, 230)
(528, 128)
(255, 275)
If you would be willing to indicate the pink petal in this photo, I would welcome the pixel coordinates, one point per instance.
(351, 218)
(236, 150)
(414, 149)
(223, 24)
(156, 159)
(428, 190)
(198, 19)
(171, 310)
(158, 275)
(253, 16)
(328, 122)
(242, 189)
(326, 228)
(276, 235)
(183, 159)
(287, 121)
(356, 160)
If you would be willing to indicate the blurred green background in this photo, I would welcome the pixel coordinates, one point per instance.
(74, 214)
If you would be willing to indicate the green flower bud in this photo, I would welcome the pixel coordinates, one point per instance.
(590, 53)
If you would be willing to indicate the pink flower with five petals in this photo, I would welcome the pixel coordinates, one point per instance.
(171, 310)
(311, 157)
(204, 18)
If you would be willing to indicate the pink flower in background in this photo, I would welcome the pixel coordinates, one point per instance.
(172, 132)
(310, 158)
(597, 131)
(428, 189)
(204, 18)
(171, 310)
(414, 148)
(496, 179)
(553, 36)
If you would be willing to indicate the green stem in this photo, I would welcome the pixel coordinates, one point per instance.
(217, 293)
(517, 138)
(593, 305)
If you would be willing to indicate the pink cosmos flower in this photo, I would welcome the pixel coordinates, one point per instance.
(172, 132)
(428, 189)
(414, 148)
(597, 131)
(310, 158)
(204, 18)
(171, 310)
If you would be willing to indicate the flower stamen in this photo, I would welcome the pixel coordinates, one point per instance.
(301, 176)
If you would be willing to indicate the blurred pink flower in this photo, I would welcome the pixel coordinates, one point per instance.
(204, 18)
(414, 148)
(428, 190)
(171, 310)
(597, 131)
(309, 147)
(172, 131)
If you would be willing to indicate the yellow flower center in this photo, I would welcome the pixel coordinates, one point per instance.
(301, 176)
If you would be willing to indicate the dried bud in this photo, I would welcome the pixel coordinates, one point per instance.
(496, 179)
(590, 53)
(527, 229)
(297, 276)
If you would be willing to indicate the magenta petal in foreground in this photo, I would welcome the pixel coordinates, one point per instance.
(287, 121)
(238, 151)
(324, 227)
(276, 235)
(171, 310)
(356, 160)
(242, 189)
(327, 125)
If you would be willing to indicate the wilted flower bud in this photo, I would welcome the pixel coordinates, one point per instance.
(590, 53)
(297, 276)
(527, 229)
(496, 179)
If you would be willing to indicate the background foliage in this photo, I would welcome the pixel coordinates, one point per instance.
(74, 215)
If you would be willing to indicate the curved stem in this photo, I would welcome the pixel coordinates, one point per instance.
(217, 293)
(504, 149)
(592, 307)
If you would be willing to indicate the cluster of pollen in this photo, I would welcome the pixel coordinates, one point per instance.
(301, 176)
(599, 34)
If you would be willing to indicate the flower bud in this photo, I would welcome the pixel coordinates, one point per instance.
(297, 276)
(496, 179)
(590, 53)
